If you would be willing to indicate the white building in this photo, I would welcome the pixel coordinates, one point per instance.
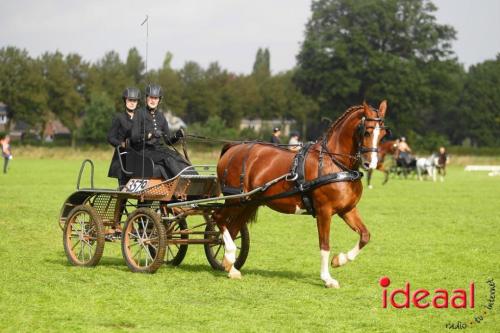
(259, 124)
(3, 116)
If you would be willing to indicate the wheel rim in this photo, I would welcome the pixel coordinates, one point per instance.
(82, 237)
(142, 241)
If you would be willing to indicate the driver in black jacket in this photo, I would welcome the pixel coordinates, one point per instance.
(120, 131)
(150, 129)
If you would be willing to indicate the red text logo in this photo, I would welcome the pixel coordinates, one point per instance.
(423, 298)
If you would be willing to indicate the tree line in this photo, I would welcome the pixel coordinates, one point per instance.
(353, 51)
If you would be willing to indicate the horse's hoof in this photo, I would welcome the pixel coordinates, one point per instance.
(234, 274)
(339, 260)
(370, 187)
(332, 284)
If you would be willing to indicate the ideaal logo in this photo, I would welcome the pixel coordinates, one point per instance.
(423, 298)
(439, 299)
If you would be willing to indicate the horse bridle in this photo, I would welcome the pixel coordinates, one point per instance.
(362, 131)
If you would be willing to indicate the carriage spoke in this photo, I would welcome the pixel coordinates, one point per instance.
(81, 252)
(137, 252)
(218, 249)
(169, 251)
(138, 236)
(73, 248)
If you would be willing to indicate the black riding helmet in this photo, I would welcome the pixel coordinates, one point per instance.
(154, 90)
(131, 93)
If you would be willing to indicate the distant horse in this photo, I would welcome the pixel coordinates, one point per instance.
(405, 166)
(387, 147)
(350, 141)
(427, 167)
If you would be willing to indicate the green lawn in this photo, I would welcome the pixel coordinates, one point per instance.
(433, 235)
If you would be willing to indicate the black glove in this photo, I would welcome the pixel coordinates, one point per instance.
(158, 134)
(179, 134)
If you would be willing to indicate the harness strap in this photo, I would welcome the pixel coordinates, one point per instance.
(234, 190)
(243, 167)
(342, 176)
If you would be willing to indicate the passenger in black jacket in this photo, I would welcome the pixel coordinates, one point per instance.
(149, 131)
(120, 131)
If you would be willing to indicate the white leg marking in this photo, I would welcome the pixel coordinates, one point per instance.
(374, 159)
(299, 211)
(325, 273)
(342, 259)
(229, 247)
(352, 254)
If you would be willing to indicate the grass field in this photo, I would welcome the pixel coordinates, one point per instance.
(433, 235)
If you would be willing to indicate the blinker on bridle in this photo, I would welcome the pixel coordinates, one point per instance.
(362, 131)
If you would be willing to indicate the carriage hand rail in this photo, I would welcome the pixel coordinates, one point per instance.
(91, 173)
(121, 162)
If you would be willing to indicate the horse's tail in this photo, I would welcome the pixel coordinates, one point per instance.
(240, 215)
(247, 215)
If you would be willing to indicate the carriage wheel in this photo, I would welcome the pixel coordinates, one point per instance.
(83, 236)
(214, 251)
(143, 241)
(176, 252)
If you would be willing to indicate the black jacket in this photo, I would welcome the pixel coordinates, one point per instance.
(274, 139)
(119, 132)
(146, 123)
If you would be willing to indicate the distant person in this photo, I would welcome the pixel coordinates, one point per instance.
(120, 132)
(6, 151)
(294, 142)
(404, 151)
(442, 160)
(275, 137)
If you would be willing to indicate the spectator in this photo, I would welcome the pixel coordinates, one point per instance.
(6, 151)
(275, 138)
(294, 142)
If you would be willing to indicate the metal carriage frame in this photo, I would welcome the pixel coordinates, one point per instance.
(151, 218)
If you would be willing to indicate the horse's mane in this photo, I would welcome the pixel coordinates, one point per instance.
(342, 118)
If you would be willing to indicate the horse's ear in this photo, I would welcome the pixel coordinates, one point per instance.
(382, 108)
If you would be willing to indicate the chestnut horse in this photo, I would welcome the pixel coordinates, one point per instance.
(387, 147)
(351, 140)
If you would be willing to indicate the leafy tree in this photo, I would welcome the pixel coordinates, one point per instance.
(21, 87)
(201, 102)
(134, 66)
(480, 101)
(171, 83)
(109, 75)
(98, 116)
(262, 65)
(373, 50)
(65, 81)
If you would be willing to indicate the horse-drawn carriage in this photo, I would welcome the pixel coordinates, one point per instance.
(150, 216)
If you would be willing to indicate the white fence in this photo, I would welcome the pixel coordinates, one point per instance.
(495, 168)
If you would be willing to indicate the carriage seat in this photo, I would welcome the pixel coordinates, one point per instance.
(133, 162)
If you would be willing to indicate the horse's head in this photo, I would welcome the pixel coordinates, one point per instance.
(370, 131)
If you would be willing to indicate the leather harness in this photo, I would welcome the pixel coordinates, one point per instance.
(297, 174)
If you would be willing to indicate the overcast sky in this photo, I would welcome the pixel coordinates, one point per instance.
(227, 31)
